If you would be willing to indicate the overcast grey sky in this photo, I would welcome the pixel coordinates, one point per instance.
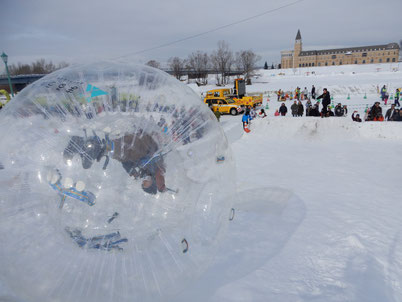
(82, 30)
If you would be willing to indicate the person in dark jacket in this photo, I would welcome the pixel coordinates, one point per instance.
(398, 115)
(356, 118)
(329, 112)
(283, 109)
(375, 111)
(390, 115)
(300, 109)
(326, 100)
(314, 111)
(339, 111)
(294, 108)
(313, 92)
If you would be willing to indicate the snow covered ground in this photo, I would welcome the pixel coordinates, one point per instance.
(319, 207)
(338, 234)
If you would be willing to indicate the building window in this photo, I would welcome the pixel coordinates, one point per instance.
(364, 62)
(334, 57)
(393, 59)
(313, 64)
(299, 65)
(319, 64)
(371, 61)
(309, 64)
(340, 63)
(326, 64)
(355, 61)
(333, 63)
(380, 60)
(387, 59)
(364, 54)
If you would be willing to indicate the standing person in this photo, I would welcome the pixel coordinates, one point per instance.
(397, 94)
(283, 109)
(279, 94)
(383, 92)
(305, 93)
(246, 119)
(326, 100)
(300, 109)
(313, 92)
(297, 93)
(294, 108)
(345, 110)
(390, 115)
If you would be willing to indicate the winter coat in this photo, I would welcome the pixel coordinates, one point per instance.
(383, 92)
(356, 119)
(300, 109)
(390, 115)
(375, 111)
(314, 111)
(245, 118)
(339, 111)
(283, 110)
(294, 109)
(326, 99)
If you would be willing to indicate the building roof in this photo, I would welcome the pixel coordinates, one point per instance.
(390, 46)
(298, 36)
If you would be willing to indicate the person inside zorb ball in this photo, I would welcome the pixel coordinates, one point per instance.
(116, 184)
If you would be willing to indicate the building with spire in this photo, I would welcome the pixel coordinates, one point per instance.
(340, 56)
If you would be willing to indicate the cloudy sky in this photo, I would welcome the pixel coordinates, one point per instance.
(82, 30)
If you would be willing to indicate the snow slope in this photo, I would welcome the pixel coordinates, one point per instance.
(341, 231)
(346, 241)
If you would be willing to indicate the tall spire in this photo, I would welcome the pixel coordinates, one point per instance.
(298, 36)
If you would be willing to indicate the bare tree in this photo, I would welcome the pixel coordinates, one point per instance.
(154, 64)
(199, 62)
(177, 66)
(222, 61)
(400, 50)
(40, 66)
(246, 61)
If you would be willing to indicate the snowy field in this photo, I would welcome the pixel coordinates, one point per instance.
(319, 203)
(339, 235)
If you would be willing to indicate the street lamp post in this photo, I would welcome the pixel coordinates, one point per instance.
(5, 58)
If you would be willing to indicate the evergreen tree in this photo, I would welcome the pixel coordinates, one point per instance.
(272, 66)
(265, 65)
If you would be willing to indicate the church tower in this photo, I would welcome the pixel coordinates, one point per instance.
(298, 49)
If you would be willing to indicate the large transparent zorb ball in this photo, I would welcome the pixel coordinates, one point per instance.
(116, 186)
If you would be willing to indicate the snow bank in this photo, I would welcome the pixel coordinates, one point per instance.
(318, 129)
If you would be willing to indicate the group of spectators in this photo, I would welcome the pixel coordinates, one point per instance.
(297, 108)
(374, 113)
(298, 94)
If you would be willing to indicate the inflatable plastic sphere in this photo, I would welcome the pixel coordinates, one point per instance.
(115, 185)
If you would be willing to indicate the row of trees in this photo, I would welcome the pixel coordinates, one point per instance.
(221, 61)
(38, 67)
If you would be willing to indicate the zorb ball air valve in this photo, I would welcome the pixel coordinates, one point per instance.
(116, 186)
